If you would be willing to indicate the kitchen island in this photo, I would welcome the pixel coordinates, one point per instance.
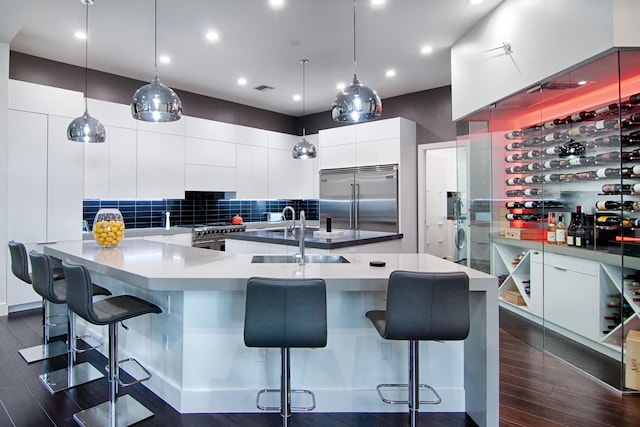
(196, 352)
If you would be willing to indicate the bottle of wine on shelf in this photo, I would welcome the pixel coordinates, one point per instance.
(551, 229)
(555, 122)
(583, 161)
(561, 231)
(513, 181)
(531, 154)
(607, 124)
(570, 238)
(634, 99)
(615, 140)
(608, 173)
(555, 136)
(583, 233)
(610, 220)
(532, 166)
(514, 134)
(514, 205)
(513, 158)
(532, 179)
(552, 177)
(618, 188)
(607, 109)
(582, 130)
(524, 217)
(630, 156)
(631, 172)
(555, 164)
(514, 193)
(513, 169)
(513, 146)
(551, 151)
(578, 232)
(587, 175)
(610, 157)
(531, 142)
(531, 130)
(608, 205)
(531, 192)
(580, 116)
(567, 177)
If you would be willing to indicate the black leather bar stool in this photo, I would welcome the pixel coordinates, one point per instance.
(42, 273)
(117, 411)
(285, 313)
(20, 269)
(422, 307)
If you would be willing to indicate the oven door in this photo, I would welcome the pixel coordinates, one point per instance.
(217, 244)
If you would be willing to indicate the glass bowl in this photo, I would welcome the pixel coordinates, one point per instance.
(108, 228)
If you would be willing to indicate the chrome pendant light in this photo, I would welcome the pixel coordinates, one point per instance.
(304, 149)
(357, 102)
(86, 128)
(156, 102)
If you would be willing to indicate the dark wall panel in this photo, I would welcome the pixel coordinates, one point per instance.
(430, 109)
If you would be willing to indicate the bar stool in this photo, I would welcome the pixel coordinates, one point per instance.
(42, 273)
(117, 411)
(422, 307)
(20, 269)
(285, 313)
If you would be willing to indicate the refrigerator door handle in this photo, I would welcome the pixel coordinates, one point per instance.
(356, 202)
(351, 199)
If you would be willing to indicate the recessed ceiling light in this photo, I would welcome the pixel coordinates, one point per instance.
(242, 81)
(80, 35)
(425, 50)
(390, 73)
(474, 1)
(340, 86)
(212, 36)
(297, 97)
(377, 2)
(582, 82)
(276, 3)
(165, 59)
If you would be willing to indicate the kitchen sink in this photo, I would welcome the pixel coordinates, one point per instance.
(290, 259)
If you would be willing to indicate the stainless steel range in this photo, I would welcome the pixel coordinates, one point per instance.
(211, 236)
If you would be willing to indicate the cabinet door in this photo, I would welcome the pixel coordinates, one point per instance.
(173, 167)
(122, 161)
(149, 165)
(64, 183)
(252, 172)
(27, 177)
(96, 169)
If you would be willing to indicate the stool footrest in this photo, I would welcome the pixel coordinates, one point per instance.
(50, 323)
(136, 380)
(96, 342)
(293, 408)
(379, 388)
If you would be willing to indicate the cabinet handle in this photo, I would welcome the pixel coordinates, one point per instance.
(560, 268)
(482, 243)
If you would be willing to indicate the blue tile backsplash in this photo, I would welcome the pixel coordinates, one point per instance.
(198, 207)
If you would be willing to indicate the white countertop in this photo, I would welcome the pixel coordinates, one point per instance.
(167, 267)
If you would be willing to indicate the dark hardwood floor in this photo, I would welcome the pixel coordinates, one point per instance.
(535, 390)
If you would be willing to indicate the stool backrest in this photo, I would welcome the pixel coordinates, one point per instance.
(19, 261)
(285, 313)
(427, 306)
(79, 291)
(42, 277)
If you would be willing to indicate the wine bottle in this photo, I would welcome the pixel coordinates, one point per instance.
(631, 205)
(514, 205)
(606, 109)
(551, 151)
(512, 169)
(583, 233)
(513, 146)
(551, 229)
(586, 175)
(561, 231)
(555, 136)
(615, 140)
(630, 172)
(555, 122)
(531, 142)
(567, 177)
(608, 173)
(531, 154)
(513, 217)
(531, 130)
(581, 130)
(608, 205)
(531, 192)
(617, 188)
(608, 220)
(532, 179)
(552, 177)
(513, 134)
(607, 124)
(513, 158)
(571, 229)
(611, 156)
(514, 193)
(580, 116)
(513, 181)
(634, 99)
(583, 161)
(533, 166)
(532, 204)
(552, 164)
(577, 235)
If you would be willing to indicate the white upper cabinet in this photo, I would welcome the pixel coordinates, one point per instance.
(542, 44)
(160, 166)
(210, 152)
(45, 99)
(252, 172)
(252, 136)
(112, 114)
(208, 129)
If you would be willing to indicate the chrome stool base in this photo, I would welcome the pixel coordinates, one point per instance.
(42, 352)
(379, 388)
(64, 379)
(293, 408)
(129, 411)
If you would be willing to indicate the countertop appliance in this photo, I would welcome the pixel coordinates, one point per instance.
(362, 198)
(211, 236)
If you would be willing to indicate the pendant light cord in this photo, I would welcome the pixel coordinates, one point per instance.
(86, 58)
(155, 37)
(354, 37)
(304, 62)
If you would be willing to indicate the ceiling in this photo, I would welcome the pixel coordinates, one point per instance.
(262, 44)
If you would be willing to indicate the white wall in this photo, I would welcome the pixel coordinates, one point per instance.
(4, 113)
(546, 37)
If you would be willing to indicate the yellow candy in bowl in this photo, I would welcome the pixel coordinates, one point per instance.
(108, 228)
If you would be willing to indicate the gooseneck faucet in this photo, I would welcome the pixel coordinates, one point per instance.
(293, 217)
(303, 226)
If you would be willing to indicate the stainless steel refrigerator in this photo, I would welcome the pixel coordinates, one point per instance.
(363, 198)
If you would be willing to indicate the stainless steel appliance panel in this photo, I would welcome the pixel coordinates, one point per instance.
(360, 198)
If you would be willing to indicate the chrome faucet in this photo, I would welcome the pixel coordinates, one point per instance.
(303, 226)
(293, 217)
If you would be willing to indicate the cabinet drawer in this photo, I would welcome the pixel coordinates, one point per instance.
(564, 262)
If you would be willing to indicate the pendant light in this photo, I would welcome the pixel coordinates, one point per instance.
(357, 102)
(304, 149)
(86, 128)
(156, 102)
